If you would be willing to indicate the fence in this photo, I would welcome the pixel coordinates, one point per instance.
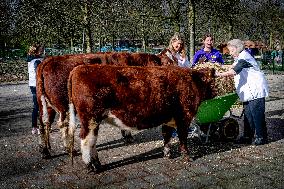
(265, 60)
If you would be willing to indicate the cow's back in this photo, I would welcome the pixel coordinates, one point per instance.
(53, 75)
(144, 59)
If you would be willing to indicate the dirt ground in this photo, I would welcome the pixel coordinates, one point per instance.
(22, 166)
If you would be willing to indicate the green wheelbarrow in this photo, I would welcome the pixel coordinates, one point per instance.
(210, 119)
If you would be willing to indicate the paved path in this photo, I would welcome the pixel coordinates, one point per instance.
(139, 165)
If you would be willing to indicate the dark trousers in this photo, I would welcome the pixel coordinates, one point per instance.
(35, 107)
(254, 119)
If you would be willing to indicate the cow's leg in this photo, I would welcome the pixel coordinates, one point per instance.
(43, 141)
(127, 136)
(63, 126)
(167, 135)
(89, 152)
(182, 135)
(47, 115)
(71, 130)
(51, 116)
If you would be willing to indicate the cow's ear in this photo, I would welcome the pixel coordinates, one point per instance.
(162, 53)
(122, 79)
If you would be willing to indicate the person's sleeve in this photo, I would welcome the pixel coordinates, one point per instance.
(37, 62)
(240, 65)
(29, 58)
(195, 58)
(220, 59)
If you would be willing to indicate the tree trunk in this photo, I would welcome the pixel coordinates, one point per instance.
(230, 33)
(191, 19)
(88, 46)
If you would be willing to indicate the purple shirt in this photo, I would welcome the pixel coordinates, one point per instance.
(213, 56)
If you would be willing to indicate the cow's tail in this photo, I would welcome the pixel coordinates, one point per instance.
(72, 117)
(41, 98)
(43, 113)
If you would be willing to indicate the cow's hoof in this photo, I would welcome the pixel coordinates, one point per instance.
(45, 153)
(127, 136)
(167, 152)
(187, 158)
(68, 150)
(129, 139)
(90, 168)
(94, 166)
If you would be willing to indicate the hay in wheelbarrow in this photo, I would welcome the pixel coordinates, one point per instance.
(224, 85)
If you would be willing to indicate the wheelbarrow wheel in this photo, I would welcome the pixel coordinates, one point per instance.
(229, 129)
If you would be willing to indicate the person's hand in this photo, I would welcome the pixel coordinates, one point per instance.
(202, 60)
(182, 59)
(218, 74)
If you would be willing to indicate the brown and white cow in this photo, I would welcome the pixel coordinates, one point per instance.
(135, 98)
(52, 95)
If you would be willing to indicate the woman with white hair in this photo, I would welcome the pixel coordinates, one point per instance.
(252, 88)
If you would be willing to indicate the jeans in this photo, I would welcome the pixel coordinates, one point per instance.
(254, 119)
(35, 107)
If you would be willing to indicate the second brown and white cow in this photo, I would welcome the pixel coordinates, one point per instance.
(135, 98)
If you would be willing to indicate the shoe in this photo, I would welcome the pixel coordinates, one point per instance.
(243, 140)
(259, 141)
(35, 131)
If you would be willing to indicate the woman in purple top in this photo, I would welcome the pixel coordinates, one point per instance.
(208, 53)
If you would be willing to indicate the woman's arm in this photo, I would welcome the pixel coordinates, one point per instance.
(231, 72)
(236, 69)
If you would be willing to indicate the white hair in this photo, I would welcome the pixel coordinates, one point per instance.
(237, 43)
